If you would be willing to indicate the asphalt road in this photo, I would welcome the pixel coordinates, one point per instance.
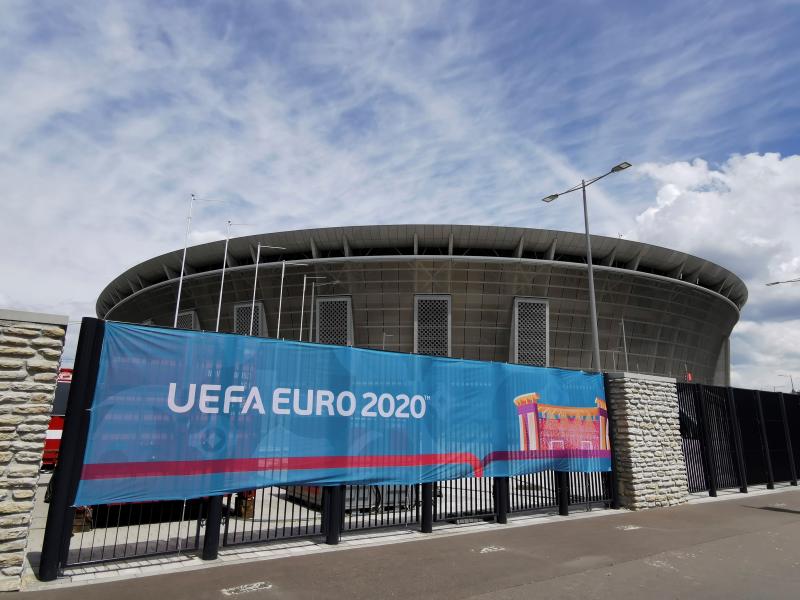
(748, 547)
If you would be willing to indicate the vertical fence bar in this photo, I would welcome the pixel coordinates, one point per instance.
(70, 463)
(427, 508)
(737, 442)
(787, 434)
(562, 484)
(765, 442)
(501, 499)
(335, 507)
(707, 446)
(213, 521)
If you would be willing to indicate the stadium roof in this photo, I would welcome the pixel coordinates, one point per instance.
(426, 242)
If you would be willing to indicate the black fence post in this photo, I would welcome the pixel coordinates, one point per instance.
(765, 442)
(335, 509)
(58, 529)
(787, 433)
(501, 487)
(707, 446)
(610, 425)
(562, 485)
(427, 508)
(737, 442)
(213, 521)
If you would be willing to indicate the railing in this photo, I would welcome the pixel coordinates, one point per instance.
(124, 531)
(460, 499)
(107, 532)
(735, 437)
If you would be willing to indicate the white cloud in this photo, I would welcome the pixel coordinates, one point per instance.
(310, 114)
(744, 215)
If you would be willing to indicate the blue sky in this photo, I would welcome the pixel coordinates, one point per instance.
(305, 114)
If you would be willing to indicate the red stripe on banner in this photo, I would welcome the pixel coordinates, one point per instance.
(293, 463)
(506, 455)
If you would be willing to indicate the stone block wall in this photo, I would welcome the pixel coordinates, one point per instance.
(30, 351)
(647, 441)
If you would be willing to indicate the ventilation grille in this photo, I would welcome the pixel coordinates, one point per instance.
(432, 334)
(187, 320)
(531, 332)
(241, 320)
(333, 321)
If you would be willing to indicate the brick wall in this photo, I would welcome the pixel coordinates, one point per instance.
(647, 441)
(30, 350)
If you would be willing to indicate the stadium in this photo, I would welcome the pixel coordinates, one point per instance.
(475, 292)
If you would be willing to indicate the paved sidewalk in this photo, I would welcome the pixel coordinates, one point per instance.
(745, 546)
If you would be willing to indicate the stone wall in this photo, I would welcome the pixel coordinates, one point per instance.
(30, 350)
(647, 441)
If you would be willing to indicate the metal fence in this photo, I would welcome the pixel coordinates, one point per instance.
(735, 437)
(107, 532)
(124, 531)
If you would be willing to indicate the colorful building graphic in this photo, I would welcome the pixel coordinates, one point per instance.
(545, 427)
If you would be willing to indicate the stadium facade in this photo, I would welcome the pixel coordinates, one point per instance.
(475, 292)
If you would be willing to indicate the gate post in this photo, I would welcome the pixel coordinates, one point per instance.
(427, 508)
(787, 434)
(213, 521)
(58, 529)
(765, 442)
(737, 442)
(501, 488)
(333, 512)
(562, 486)
(711, 470)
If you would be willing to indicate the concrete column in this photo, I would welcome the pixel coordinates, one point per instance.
(30, 350)
(647, 443)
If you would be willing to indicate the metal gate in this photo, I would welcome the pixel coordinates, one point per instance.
(708, 437)
(735, 437)
(107, 532)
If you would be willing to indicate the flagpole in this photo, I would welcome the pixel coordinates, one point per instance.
(280, 299)
(255, 282)
(303, 306)
(224, 264)
(183, 262)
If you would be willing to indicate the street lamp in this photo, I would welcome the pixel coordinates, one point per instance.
(255, 280)
(592, 304)
(303, 301)
(192, 200)
(280, 297)
(228, 226)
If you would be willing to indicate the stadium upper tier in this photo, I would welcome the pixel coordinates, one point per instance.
(677, 310)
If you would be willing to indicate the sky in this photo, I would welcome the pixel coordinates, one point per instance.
(313, 114)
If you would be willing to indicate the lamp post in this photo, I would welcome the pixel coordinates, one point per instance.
(192, 200)
(592, 304)
(255, 281)
(228, 226)
(303, 301)
(280, 297)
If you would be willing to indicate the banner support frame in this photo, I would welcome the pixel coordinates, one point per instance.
(73, 446)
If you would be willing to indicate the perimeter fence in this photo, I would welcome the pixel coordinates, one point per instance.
(104, 533)
(735, 438)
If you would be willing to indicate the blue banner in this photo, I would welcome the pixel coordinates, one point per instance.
(183, 414)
